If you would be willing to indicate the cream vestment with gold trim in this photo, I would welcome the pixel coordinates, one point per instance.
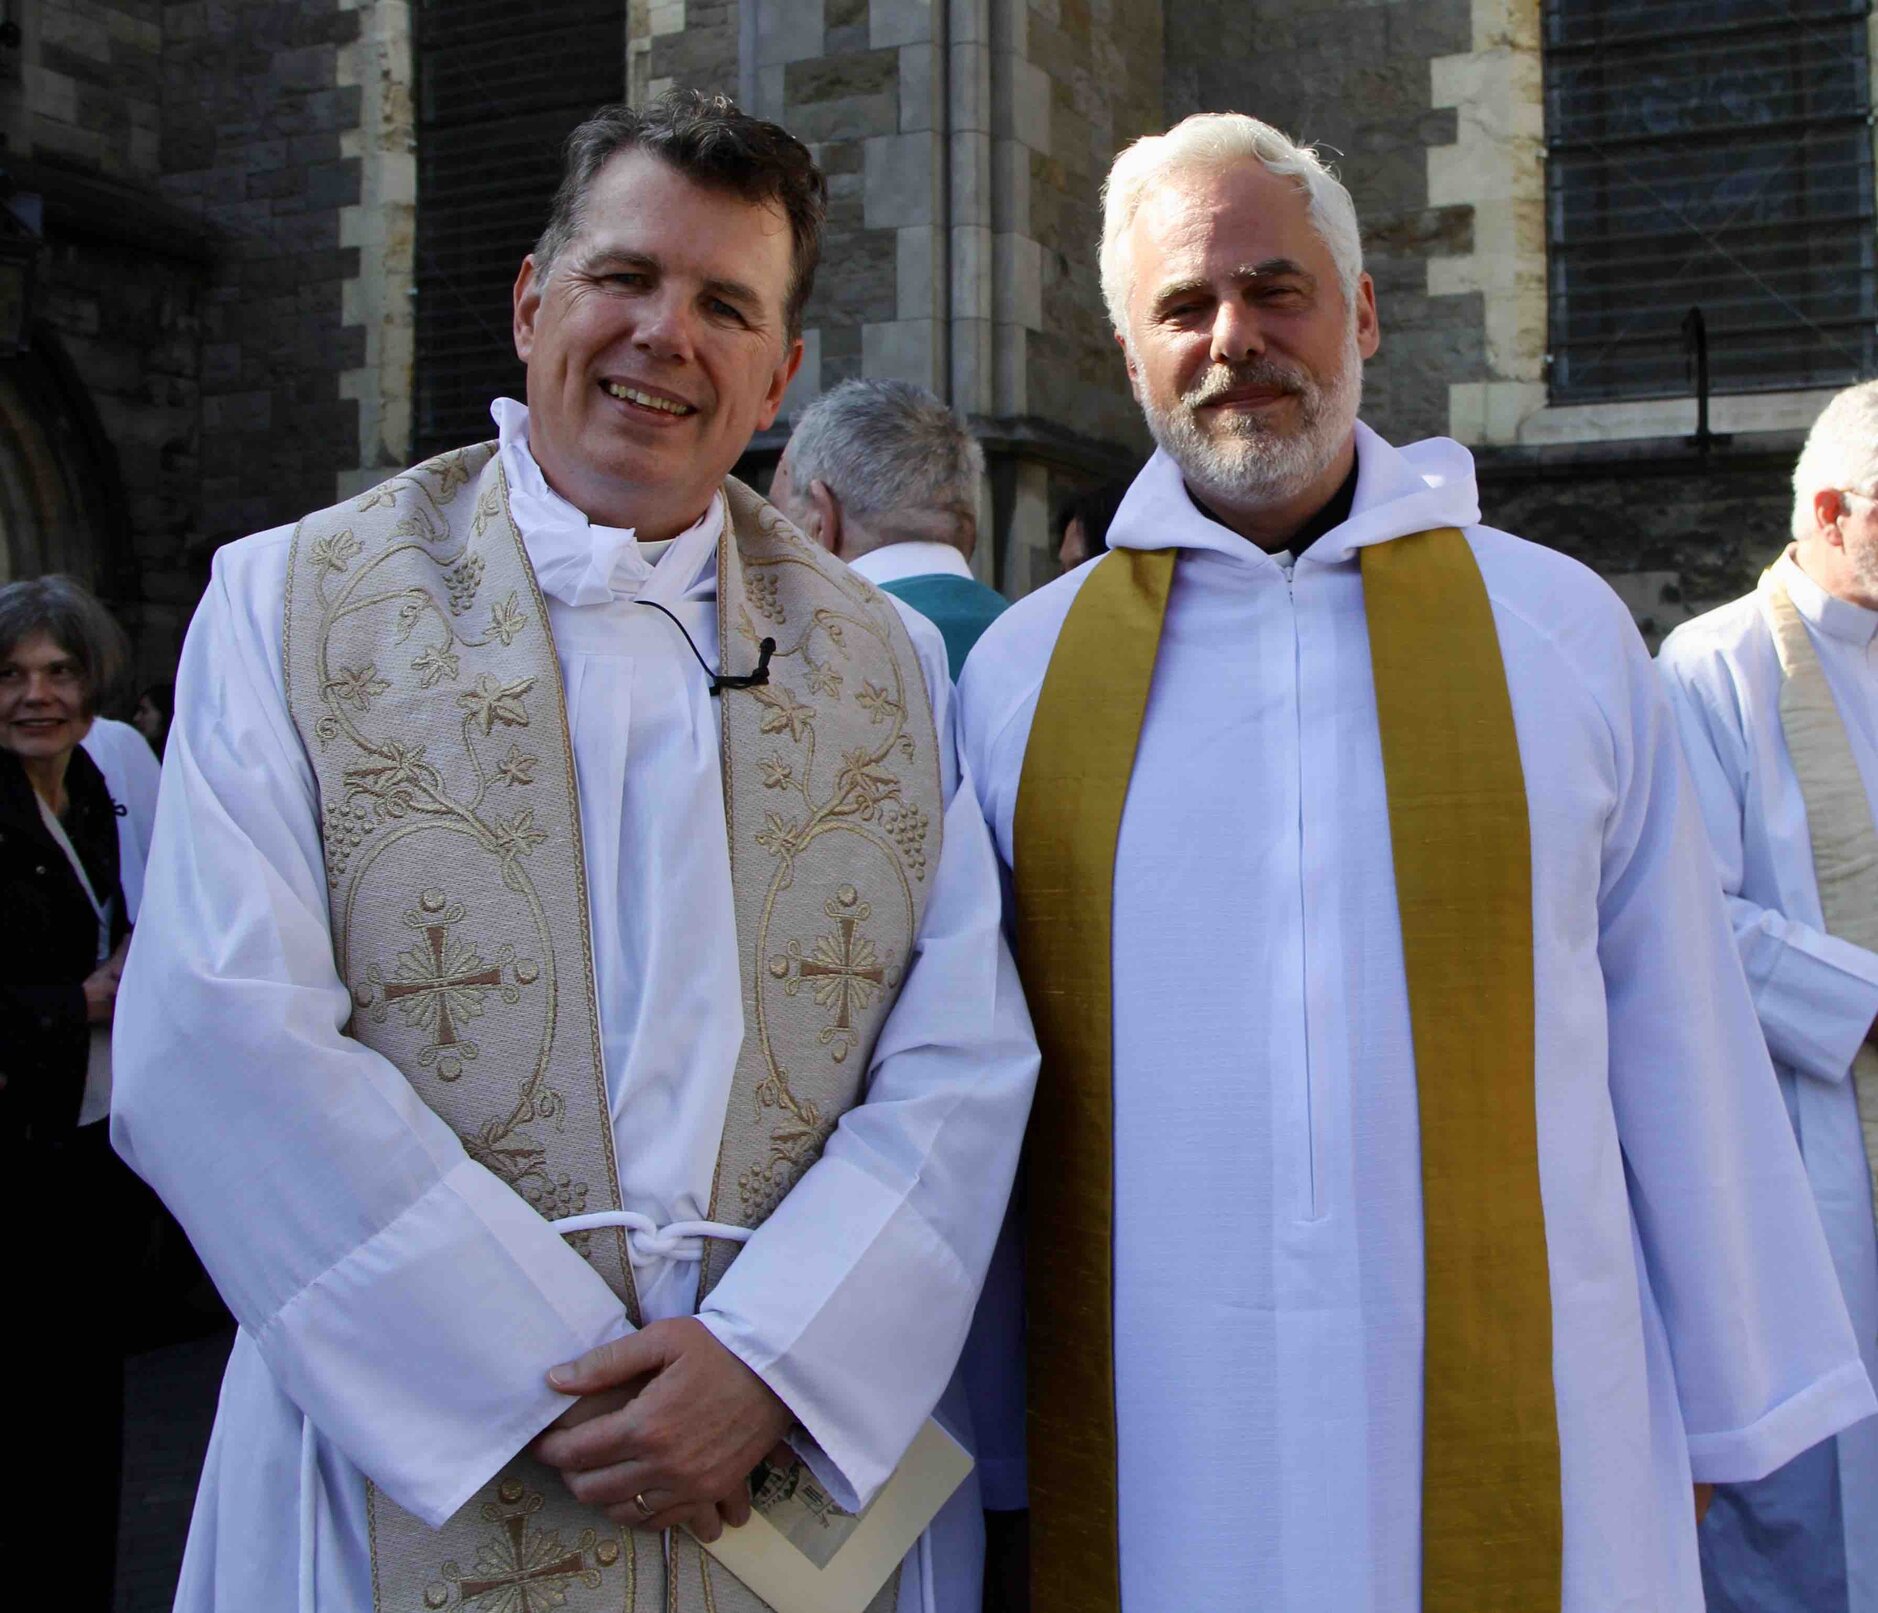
(1838, 810)
(422, 678)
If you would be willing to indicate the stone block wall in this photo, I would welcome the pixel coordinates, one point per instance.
(1675, 532)
(692, 43)
(1354, 76)
(1092, 69)
(254, 125)
(964, 145)
(100, 412)
(89, 76)
(128, 323)
(857, 96)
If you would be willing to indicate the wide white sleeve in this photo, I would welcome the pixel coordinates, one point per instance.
(1816, 995)
(132, 774)
(853, 1299)
(404, 1298)
(1765, 1360)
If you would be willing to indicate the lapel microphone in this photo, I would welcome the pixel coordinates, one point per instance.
(719, 681)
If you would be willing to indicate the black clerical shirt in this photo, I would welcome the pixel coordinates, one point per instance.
(1333, 513)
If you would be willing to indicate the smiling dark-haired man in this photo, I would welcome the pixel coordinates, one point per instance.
(577, 1033)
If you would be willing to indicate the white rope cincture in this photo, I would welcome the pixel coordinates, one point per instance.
(309, 1513)
(928, 1593)
(648, 1241)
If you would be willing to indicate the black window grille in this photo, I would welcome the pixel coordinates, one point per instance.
(499, 85)
(1711, 153)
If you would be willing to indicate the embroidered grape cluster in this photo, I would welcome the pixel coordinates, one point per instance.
(554, 1196)
(344, 829)
(761, 586)
(463, 579)
(908, 827)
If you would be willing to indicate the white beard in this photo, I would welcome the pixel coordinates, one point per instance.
(1864, 558)
(1241, 460)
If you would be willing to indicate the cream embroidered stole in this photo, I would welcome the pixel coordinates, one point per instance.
(421, 675)
(1838, 811)
(1492, 1514)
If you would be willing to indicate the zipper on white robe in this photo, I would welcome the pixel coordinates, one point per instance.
(1313, 1209)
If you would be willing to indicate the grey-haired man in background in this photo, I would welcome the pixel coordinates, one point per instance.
(884, 476)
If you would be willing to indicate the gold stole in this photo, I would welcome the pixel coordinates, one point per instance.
(1838, 811)
(422, 677)
(1492, 1530)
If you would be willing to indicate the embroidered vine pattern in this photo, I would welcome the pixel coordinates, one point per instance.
(841, 968)
(393, 780)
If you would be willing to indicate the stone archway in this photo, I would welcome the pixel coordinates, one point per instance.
(61, 502)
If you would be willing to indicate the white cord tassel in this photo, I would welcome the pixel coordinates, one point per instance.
(309, 1513)
(928, 1593)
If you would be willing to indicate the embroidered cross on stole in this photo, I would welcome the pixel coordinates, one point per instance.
(1492, 1531)
(422, 678)
(1838, 811)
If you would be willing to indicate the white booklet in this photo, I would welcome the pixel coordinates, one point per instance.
(802, 1553)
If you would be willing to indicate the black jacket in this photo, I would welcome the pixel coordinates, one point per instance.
(48, 945)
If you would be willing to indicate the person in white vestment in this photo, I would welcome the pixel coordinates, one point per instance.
(343, 1221)
(1267, 1229)
(131, 773)
(1805, 1537)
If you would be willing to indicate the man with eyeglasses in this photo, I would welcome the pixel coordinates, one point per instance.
(1776, 695)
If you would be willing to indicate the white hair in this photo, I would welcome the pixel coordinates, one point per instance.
(1209, 141)
(1841, 453)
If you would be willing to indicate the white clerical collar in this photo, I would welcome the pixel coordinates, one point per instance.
(580, 562)
(1835, 617)
(894, 562)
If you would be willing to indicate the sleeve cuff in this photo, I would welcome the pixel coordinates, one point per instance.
(1829, 1404)
(844, 1362)
(1816, 1000)
(423, 1353)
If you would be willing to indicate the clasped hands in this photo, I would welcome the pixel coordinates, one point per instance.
(667, 1414)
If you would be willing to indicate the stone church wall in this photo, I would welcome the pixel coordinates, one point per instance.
(1355, 78)
(253, 120)
(102, 407)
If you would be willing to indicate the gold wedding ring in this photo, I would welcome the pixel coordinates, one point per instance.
(645, 1508)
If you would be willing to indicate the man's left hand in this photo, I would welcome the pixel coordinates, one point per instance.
(688, 1439)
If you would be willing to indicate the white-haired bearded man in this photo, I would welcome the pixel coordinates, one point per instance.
(1776, 696)
(1390, 1240)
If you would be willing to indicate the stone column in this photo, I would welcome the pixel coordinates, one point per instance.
(965, 142)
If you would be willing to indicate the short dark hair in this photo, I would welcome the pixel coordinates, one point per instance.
(714, 143)
(68, 614)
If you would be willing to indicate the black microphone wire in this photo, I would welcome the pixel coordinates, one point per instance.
(719, 682)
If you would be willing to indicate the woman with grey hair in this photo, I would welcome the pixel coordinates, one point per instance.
(61, 951)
